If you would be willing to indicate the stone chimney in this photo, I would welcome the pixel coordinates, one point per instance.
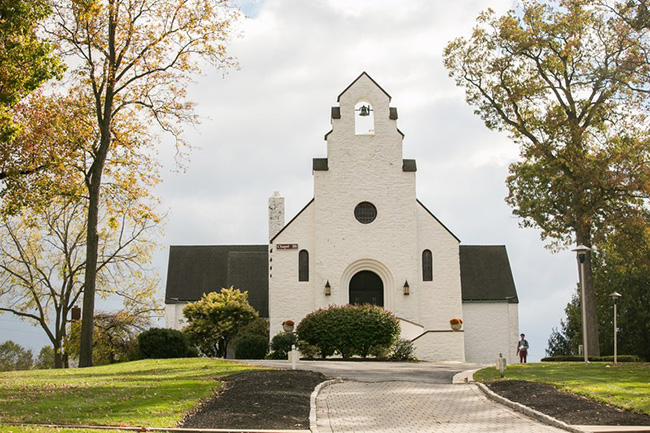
(276, 214)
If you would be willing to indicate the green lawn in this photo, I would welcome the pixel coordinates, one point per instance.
(142, 393)
(625, 385)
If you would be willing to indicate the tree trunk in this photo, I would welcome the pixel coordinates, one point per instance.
(583, 238)
(92, 245)
(90, 275)
(58, 358)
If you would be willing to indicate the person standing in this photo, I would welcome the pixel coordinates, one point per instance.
(522, 349)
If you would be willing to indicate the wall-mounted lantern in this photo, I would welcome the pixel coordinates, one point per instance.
(407, 289)
(328, 288)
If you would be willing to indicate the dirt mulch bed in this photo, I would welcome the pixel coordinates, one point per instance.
(566, 406)
(269, 399)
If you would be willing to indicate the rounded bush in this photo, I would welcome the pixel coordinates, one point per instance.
(160, 343)
(349, 330)
(251, 346)
(281, 345)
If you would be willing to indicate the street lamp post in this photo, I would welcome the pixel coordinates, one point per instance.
(581, 252)
(615, 296)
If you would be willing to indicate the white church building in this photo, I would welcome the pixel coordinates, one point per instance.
(364, 238)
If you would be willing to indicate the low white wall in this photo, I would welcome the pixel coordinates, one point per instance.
(409, 330)
(490, 329)
(440, 346)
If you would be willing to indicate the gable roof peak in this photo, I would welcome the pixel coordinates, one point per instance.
(364, 73)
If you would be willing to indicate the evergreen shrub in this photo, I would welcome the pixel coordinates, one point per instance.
(403, 350)
(281, 345)
(349, 330)
(251, 346)
(159, 343)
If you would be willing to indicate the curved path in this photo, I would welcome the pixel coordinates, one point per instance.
(407, 397)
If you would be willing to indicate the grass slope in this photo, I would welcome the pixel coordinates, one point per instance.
(141, 393)
(625, 385)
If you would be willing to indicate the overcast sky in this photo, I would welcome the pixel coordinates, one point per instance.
(263, 124)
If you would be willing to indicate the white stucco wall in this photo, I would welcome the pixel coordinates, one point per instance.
(290, 299)
(490, 329)
(174, 316)
(441, 299)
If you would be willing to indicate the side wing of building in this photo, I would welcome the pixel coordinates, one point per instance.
(490, 303)
(195, 270)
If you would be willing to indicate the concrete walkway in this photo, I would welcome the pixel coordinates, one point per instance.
(395, 407)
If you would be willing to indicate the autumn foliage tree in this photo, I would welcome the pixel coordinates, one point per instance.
(135, 59)
(214, 320)
(42, 263)
(26, 61)
(568, 80)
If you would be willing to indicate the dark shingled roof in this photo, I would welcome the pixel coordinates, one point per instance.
(486, 275)
(195, 270)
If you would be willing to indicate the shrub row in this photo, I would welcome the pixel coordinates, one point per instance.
(574, 358)
(349, 330)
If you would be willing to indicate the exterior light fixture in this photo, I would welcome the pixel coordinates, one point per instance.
(364, 111)
(581, 252)
(615, 296)
(407, 289)
(76, 313)
(328, 288)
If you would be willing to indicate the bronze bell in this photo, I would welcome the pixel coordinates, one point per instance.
(364, 111)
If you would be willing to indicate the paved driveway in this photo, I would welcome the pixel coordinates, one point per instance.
(407, 407)
(370, 371)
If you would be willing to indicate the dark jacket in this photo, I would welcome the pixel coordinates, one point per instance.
(523, 343)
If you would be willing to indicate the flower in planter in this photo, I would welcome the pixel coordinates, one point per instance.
(287, 326)
(456, 321)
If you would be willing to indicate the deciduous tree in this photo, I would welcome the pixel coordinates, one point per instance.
(26, 61)
(215, 319)
(622, 264)
(568, 79)
(42, 263)
(135, 59)
(13, 356)
(115, 336)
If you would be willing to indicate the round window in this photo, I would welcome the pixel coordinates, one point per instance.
(365, 212)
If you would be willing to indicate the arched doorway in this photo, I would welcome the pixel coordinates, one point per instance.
(366, 287)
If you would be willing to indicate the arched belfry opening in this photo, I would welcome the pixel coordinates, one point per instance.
(364, 118)
(366, 287)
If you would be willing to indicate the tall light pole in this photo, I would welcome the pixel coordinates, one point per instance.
(581, 252)
(615, 296)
